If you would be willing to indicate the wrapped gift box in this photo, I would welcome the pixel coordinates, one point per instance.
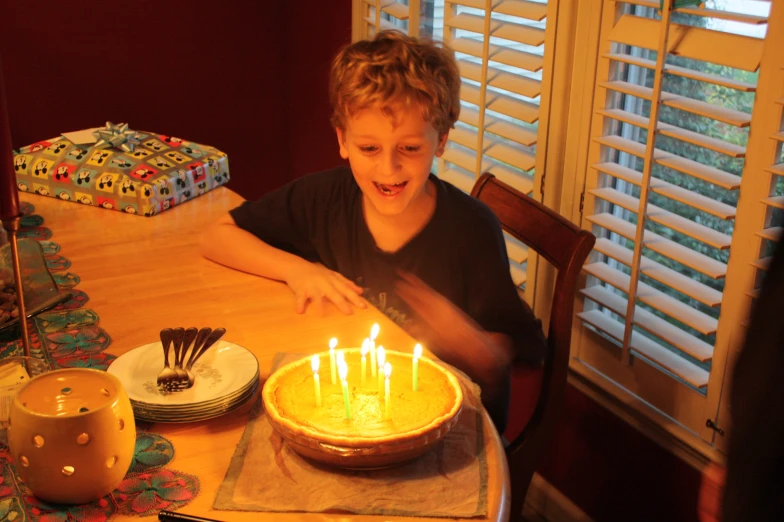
(113, 167)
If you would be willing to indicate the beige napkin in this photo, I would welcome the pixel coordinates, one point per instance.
(448, 481)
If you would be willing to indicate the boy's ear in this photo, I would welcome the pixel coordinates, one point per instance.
(342, 143)
(441, 147)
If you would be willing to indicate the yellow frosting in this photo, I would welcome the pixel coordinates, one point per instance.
(409, 410)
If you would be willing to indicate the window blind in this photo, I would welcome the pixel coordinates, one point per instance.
(499, 46)
(380, 15)
(769, 223)
(674, 143)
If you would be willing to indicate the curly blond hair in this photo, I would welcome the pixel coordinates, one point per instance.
(394, 68)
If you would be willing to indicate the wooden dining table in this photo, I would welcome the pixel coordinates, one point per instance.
(143, 274)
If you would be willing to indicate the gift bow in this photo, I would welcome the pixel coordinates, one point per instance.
(117, 136)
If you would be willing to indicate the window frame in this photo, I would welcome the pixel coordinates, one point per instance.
(740, 273)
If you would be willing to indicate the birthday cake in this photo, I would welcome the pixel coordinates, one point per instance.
(371, 434)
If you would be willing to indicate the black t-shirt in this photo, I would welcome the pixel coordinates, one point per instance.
(460, 253)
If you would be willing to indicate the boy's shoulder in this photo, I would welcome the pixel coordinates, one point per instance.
(466, 210)
(331, 185)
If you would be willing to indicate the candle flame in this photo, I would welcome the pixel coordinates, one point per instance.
(365, 347)
(314, 363)
(374, 331)
(341, 358)
(343, 370)
(417, 351)
(381, 357)
(387, 370)
(333, 342)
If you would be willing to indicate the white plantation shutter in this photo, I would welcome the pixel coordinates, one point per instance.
(380, 15)
(674, 143)
(764, 207)
(499, 47)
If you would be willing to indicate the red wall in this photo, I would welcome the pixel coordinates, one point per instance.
(603, 465)
(312, 41)
(614, 473)
(245, 76)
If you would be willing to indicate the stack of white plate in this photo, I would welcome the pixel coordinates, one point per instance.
(227, 375)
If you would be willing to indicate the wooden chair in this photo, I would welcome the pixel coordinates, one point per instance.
(566, 247)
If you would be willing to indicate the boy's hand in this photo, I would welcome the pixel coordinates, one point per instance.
(315, 283)
(451, 334)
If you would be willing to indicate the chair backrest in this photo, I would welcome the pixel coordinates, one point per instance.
(566, 247)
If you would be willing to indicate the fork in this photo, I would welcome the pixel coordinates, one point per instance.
(188, 338)
(180, 381)
(168, 375)
(208, 339)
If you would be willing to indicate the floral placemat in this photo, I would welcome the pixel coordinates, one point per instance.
(147, 488)
(69, 336)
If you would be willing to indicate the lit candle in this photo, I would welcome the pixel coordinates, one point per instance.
(343, 369)
(340, 357)
(387, 373)
(365, 349)
(415, 362)
(9, 194)
(381, 359)
(373, 334)
(332, 368)
(314, 363)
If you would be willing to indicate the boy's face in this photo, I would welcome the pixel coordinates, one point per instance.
(391, 156)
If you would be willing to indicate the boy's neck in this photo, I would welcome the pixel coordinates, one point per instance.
(391, 233)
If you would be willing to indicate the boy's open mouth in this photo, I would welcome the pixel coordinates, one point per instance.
(391, 190)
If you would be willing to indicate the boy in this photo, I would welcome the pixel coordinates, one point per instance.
(426, 254)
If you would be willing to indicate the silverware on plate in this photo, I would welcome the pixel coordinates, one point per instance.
(209, 339)
(179, 380)
(187, 340)
(168, 375)
(197, 344)
(179, 337)
(179, 376)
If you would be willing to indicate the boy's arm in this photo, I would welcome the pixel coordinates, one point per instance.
(456, 338)
(227, 244)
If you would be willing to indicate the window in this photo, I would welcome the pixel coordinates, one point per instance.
(371, 16)
(685, 120)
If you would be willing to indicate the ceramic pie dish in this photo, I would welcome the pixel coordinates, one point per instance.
(417, 420)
